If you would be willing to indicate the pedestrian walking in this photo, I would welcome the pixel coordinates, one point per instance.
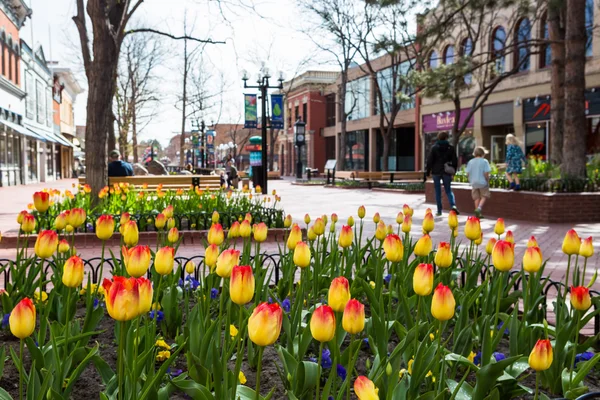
(441, 164)
(478, 170)
(514, 161)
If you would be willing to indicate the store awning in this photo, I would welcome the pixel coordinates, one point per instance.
(52, 137)
(24, 131)
(62, 140)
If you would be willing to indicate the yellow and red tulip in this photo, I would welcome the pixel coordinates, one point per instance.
(407, 210)
(423, 279)
(190, 267)
(287, 222)
(580, 298)
(145, 295)
(532, 259)
(28, 224)
(160, 221)
(137, 260)
(499, 227)
(22, 319)
(73, 272)
(532, 242)
(76, 217)
(20, 216)
(245, 229)
(131, 235)
(399, 218)
(362, 211)
(423, 246)
(260, 232)
(173, 235)
(540, 358)
(168, 211)
(472, 229)
(41, 201)
(105, 227)
(294, 237)
(509, 237)
(443, 303)
(211, 255)
(216, 235)
(164, 260)
(302, 255)
(428, 223)
(394, 250)
(234, 230)
(381, 231)
(353, 320)
(489, 247)
(452, 220)
(503, 255)
(376, 218)
(46, 244)
(63, 246)
(339, 293)
(346, 236)
(241, 289)
(322, 324)
(443, 255)
(571, 243)
(587, 248)
(226, 261)
(60, 222)
(365, 389)
(264, 325)
(407, 223)
(122, 298)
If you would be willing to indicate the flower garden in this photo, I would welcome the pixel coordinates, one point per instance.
(334, 314)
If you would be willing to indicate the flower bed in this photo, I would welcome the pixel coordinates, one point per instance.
(332, 314)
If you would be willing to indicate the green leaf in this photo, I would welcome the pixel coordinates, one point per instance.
(4, 395)
(465, 391)
(518, 367)
(245, 393)
(191, 388)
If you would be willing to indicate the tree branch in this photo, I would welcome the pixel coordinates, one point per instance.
(184, 37)
(79, 20)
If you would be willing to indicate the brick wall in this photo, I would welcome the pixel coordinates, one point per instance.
(527, 206)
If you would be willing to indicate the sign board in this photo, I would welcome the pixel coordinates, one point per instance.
(253, 147)
(444, 121)
(250, 111)
(539, 109)
(277, 111)
(330, 164)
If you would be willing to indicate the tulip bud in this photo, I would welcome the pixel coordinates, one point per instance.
(131, 235)
(63, 246)
(353, 320)
(22, 319)
(46, 244)
(319, 226)
(452, 220)
(388, 369)
(532, 242)
(28, 224)
(264, 325)
(480, 240)
(351, 221)
(122, 298)
(324, 219)
(210, 256)
(540, 358)
(170, 223)
(311, 235)
(334, 218)
(260, 232)
(190, 267)
(442, 304)
(173, 235)
(60, 222)
(381, 231)
(241, 289)
(73, 272)
(428, 223)
(376, 218)
(499, 227)
(302, 255)
(322, 324)
(510, 238)
(216, 235)
(580, 298)
(125, 218)
(245, 229)
(407, 223)
(532, 259)
(137, 260)
(586, 249)
(41, 201)
(394, 250)
(164, 260)
(20, 216)
(168, 211)
(248, 217)
(365, 389)
(145, 295)
(399, 218)
(306, 219)
(407, 210)
(443, 255)
(69, 229)
(423, 279)
(160, 221)
(362, 211)
(423, 246)
(472, 229)
(503, 255)
(294, 237)
(76, 217)
(234, 230)
(226, 261)
(339, 293)
(489, 247)
(105, 227)
(346, 236)
(215, 217)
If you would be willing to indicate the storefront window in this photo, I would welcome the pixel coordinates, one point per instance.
(498, 153)
(358, 97)
(466, 146)
(387, 87)
(9, 152)
(49, 160)
(535, 140)
(2, 150)
(32, 159)
(589, 26)
(592, 142)
(58, 162)
(356, 151)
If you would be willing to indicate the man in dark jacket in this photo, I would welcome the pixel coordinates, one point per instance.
(118, 167)
(442, 154)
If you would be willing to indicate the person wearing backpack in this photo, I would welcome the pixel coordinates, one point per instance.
(441, 164)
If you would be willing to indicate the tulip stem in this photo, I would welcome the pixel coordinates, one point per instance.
(121, 358)
(537, 385)
(261, 349)
(319, 370)
(239, 353)
(498, 298)
(578, 318)
(567, 278)
(99, 281)
(351, 363)
(584, 268)
(68, 322)
(417, 324)
(441, 355)
(21, 369)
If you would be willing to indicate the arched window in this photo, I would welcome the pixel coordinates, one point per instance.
(589, 26)
(466, 50)
(522, 38)
(498, 44)
(546, 51)
(449, 54)
(433, 59)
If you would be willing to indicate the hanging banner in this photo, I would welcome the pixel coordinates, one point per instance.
(250, 110)
(277, 111)
(210, 141)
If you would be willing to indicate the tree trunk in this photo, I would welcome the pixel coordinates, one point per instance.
(573, 165)
(134, 141)
(557, 122)
(386, 149)
(112, 140)
(184, 101)
(123, 133)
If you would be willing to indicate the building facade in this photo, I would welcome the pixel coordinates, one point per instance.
(14, 138)
(520, 104)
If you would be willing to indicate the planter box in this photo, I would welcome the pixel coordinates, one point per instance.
(526, 206)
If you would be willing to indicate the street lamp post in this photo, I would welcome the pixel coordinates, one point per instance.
(263, 86)
(299, 133)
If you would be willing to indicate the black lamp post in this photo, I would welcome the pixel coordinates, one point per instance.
(262, 84)
(300, 134)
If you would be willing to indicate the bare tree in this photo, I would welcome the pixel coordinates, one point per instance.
(556, 33)
(334, 32)
(100, 47)
(239, 137)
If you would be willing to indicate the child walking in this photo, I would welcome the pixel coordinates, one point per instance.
(478, 170)
(514, 161)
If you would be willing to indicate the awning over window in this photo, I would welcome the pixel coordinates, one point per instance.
(52, 137)
(23, 131)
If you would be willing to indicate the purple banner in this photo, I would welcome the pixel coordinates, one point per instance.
(443, 121)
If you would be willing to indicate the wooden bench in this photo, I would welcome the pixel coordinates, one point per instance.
(151, 183)
(273, 175)
(391, 176)
(345, 174)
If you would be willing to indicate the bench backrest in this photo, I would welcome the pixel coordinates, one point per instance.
(345, 174)
(370, 175)
(400, 175)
